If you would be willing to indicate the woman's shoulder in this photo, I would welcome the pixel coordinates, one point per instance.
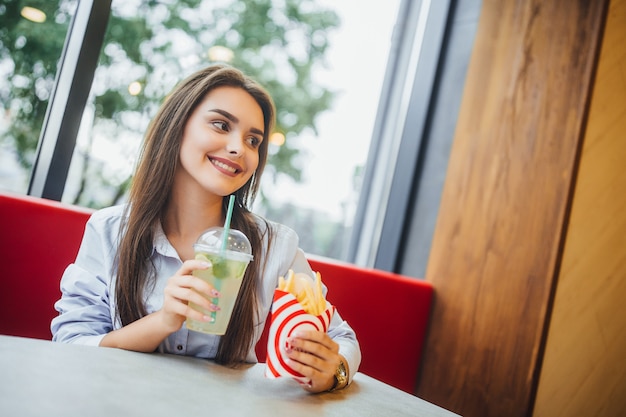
(281, 248)
(116, 211)
(277, 230)
(108, 216)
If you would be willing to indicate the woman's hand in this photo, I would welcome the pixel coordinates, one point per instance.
(316, 356)
(183, 288)
(145, 334)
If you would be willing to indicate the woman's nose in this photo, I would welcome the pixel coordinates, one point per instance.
(234, 145)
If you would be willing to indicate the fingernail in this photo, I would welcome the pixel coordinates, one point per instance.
(205, 265)
(214, 293)
(215, 307)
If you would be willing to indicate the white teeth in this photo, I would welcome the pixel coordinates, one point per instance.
(223, 166)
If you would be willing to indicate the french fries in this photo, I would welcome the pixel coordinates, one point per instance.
(308, 293)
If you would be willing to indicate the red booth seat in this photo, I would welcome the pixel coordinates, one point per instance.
(39, 238)
(388, 312)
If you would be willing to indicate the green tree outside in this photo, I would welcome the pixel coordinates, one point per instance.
(155, 43)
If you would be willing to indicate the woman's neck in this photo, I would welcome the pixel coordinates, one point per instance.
(185, 219)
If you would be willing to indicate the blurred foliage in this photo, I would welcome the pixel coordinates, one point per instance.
(157, 43)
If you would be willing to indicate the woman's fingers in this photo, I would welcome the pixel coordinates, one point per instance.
(316, 343)
(191, 265)
(184, 279)
(321, 377)
(316, 356)
(192, 283)
(183, 291)
(188, 295)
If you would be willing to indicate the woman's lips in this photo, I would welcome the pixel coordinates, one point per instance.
(225, 166)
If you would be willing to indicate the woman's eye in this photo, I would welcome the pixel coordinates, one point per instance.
(221, 125)
(254, 141)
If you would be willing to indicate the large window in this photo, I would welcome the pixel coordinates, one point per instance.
(321, 61)
(352, 81)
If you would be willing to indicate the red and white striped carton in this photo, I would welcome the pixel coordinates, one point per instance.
(287, 317)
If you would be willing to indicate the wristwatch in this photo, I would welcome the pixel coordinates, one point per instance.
(341, 377)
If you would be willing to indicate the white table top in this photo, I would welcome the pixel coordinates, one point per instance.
(42, 378)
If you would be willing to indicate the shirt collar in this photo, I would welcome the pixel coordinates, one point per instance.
(161, 245)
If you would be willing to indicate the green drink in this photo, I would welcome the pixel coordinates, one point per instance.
(229, 259)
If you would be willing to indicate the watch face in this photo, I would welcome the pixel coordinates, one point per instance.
(341, 369)
(341, 376)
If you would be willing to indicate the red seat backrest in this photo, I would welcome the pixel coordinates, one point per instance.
(389, 313)
(38, 239)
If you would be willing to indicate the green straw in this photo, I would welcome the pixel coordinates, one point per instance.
(222, 260)
(229, 215)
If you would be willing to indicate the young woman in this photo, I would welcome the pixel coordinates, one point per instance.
(131, 284)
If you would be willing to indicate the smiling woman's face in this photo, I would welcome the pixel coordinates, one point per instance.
(220, 145)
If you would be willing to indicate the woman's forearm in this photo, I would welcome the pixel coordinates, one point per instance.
(143, 335)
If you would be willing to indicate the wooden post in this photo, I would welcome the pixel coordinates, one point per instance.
(498, 242)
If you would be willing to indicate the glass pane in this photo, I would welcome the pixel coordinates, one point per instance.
(32, 35)
(321, 206)
(320, 60)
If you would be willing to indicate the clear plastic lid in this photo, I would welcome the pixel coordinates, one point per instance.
(211, 240)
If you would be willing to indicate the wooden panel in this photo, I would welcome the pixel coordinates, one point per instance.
(498, 239)
(584, 368)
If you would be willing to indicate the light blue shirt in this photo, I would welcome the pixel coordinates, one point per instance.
(87, 305)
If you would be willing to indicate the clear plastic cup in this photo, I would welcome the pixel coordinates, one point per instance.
(229, 260)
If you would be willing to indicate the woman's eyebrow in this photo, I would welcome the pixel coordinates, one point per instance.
(234, 119)
(226, 114)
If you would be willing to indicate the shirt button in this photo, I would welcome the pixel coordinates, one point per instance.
(179, 347)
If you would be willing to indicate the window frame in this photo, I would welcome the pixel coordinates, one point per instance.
(398, 142)
(72, 85)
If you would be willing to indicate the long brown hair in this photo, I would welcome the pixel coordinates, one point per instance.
(150, 191)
